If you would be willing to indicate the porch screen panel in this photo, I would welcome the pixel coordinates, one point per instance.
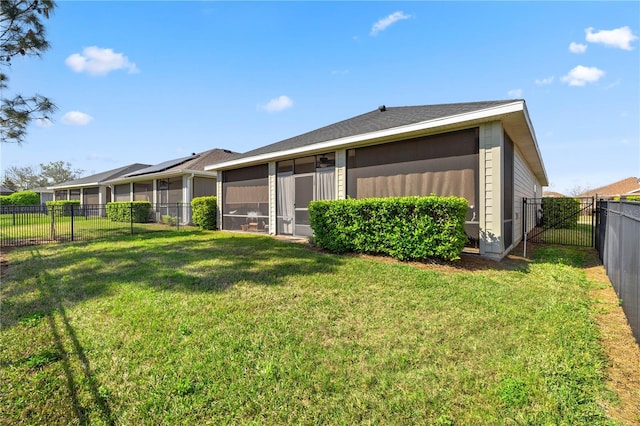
(74, 194)
(91, 196)
(121, 193)
(143, 191)
(246, 199)
(204, 187)
(444, 165)
(284, 213)
(174, 193)
(61, 194)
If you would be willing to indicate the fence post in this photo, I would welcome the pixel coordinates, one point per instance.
(524, 224)
(53, 222)
(72, 219)
(131, 217)
(178, 219)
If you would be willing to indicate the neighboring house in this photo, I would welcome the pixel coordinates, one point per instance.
(624, 187)
(170, 182)
(92, 189)
(6, 191)
(553, 194)
(485, 152)
(45, 194)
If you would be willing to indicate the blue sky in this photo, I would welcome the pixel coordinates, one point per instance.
(152, 81)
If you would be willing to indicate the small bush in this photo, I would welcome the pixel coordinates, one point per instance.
(169, 220)
(21, 198)
(25, 198)
(122, 211)
(402, 227)
(627, 198)
(63, 207)
(205, 212)
(560, 213)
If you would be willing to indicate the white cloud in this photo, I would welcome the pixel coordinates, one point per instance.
(277, 104)
(98, 61)
(95, 156)
(620, 37)
(579, 76)
(545, 81)
(43, 122)
(76, 118)
(384, 23)
(515, 93)
(577, 47)
(339, 72)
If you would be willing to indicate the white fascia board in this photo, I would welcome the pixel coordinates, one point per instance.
(84, 185)
(535, 143)
(356, 139)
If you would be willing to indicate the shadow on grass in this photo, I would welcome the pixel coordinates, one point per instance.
(190, 261)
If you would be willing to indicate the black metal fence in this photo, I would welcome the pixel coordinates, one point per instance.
(27, 225)
(565, 221)
(618, 245)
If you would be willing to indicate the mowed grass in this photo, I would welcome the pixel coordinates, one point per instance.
(221, 328)
(16, 229)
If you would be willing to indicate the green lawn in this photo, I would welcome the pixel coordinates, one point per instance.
(218, 328)
(38, 227)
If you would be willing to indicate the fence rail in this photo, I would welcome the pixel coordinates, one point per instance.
(618, 245)
(27, 225)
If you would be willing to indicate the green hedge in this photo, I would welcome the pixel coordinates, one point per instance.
(560, 213)
(402, 227)
(121, 211)
(62, 207)
(21, 198)
(204, 212)
(627, 198)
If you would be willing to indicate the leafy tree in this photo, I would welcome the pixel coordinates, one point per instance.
(28, 177)
(58, 172)
(22, 33)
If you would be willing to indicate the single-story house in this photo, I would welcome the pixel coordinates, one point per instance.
(91, 189)
(6, 191)
(170, 182)
(625, 187)
(486, 152)
(45, 194)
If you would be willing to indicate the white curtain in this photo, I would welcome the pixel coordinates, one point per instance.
(285, 203)
(325, 184)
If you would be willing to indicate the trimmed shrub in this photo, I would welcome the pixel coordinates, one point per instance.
(204, 212)
(627, 198)
(560, 213)
(25, 198)
(63, 207)
(405, 228)
(21, 198)
(121, 211)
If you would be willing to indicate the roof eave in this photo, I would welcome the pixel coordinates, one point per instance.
(82, 185)
(428, 126)
(157, 175)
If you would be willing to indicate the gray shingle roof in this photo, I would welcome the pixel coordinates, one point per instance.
(100, 177)
(195, 162)
(373, 121)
